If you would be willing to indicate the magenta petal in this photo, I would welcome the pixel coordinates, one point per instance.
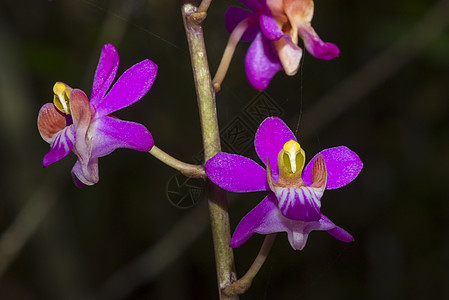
(342, 165)
(62, 144)
(270, 28)
(341, 234)
(270, 138)
(105, 73)
(234, 15)
(316, 46)
(299, 204)
(86, 174)
(261, 62)
(254, 5)
(129, 88)
(337, 232)
(265, 218)
(112, 133)
(236, 173)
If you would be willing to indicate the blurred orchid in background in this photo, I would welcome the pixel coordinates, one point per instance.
(71, 122)
(273, 26)
(294, 203)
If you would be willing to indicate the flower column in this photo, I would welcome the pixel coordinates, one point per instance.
(211, 142)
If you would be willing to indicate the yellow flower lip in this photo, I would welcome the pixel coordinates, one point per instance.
(61, 97)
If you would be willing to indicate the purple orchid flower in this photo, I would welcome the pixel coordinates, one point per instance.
(71, 122)
(274, 26)
(294, 202)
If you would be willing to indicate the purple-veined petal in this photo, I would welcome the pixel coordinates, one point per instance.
(105, 73)
(270, 137)
(62, 144)
(110, 133)
(254, 5)
(50, 121)
(270, 27)
(234, 15)
(261, 62)
(299, 203)
(129, 88)
(236, 173)
(342, 165)
(265, 218)
(315, 45)
(87, 174)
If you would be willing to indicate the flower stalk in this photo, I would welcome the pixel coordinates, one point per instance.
(189, 170)
(235, 37)
(243, 284)
(211, 142)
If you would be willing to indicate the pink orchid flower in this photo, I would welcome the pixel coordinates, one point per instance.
(294, 202)
(73, 123)
(273, 26)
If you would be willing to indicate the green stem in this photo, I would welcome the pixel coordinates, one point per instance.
(189, 170)
(218, 210)
(242, 285)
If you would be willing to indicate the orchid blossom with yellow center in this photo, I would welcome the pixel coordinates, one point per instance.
(73, 123)
(273, 26)
(294, 202)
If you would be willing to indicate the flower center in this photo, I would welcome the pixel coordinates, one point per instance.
(61, 97)
(296, 201)
(291, 159)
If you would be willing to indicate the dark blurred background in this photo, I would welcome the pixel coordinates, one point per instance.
(386, 97)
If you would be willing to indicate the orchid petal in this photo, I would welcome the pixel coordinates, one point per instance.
(86, 173)
(112, 133)
(315, 45)
(236, 173)
(298, 12)
(81, 115)
(270, 138)
(50, 121)
(254, 5)
(299, 204)
(265, 218)
(275, 6)
(298, 232)
(289, 54)
(270, 28)
(105, 73)
(129, 88)
(341, 234)
(234, 15)
(62, 144)
(261, 62)
(342, 164)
